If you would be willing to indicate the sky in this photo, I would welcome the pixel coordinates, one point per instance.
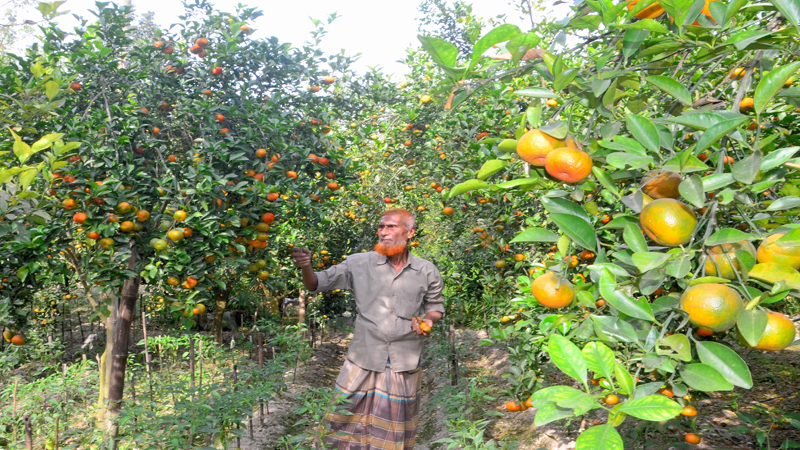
(380, 30)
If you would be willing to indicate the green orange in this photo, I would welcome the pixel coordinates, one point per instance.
(712, 306)
(779, 334)
(668, 222)
(722, 261)
(552, 291)
(769, 251)
(534, 146)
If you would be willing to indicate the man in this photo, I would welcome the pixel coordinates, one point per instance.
(380, 377)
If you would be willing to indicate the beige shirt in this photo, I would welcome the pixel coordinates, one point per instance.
(386, 301)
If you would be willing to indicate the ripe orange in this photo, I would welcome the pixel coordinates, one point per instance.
(314, 88)
(245, 29)
(172, 158)
(156, 130)
(552, 291)
(179, 216)
(225, 131)
(168, 50)
(324, 161)
(712, 306)
(568, 164)
(519, 257)
(219, 117)
(126, 226)
(69, 203)
(157, 44)
(425, 99)
(176, 234)
(260, 153)
(333, 186)
(535, 145)
(329, 80)
(512, 406)
(448, 210)
(661, 184)
(106, 243)
(93, 235)
(8, 334)
(272, 196)
(80, 217)
(172, 281)
(746, 105)
(207, 92)
(202, 42)
(187, 232)
(268, 217)
(723, 257)
(689, 411)
(667, 392)
(18, 340)
(692, 438)
(737, 73)
(651, 12)
(216, 70)
(552, 102)
(704, 332)
(292, 174)
(611, 399)
(143, 215)
(779, 334)
(408, 143)
(668, 222)
(769, 251)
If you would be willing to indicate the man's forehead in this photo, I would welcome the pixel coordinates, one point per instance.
(390, 218)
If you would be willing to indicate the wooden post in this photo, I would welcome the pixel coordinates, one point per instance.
(251, 429)
(191, 364)
(147, 354)
(453, 356)
(133, 395)
(28, 432)
(200, 352)
(14, 408)
(235, 380)
(260, 367)
(80, 326)
(56, 441)
(64, 383)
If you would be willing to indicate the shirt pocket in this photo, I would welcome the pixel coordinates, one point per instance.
(408, 301)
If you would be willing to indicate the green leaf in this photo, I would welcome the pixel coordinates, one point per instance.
(777, 158)
(772, 82)
(22, 273)
(605, 179)
(469, 185)
(567, 357)
(696, 120)
(790, 9)
(646, 261)
(679, 344)
(691, 189)
(557, 129)
(444, 54)
(790, 239)
(624, 144)
(549, 412)
(632, 40)
(562, 206)
(580, 403)
(677, 9)
(610, 328)
(577, 229)
(624, 379)
(536, 93)
(599, 359)
(652, 407)
(499, 34)
(703, 377)
(490, 168)
(45, 142)
(751, 325)
(599, 438)
(776, 273)
(717, 132)
(671, 87)
(644, 131)
(564, 79)
(728, 236)
(745, 171)
(527, 183)
(21, 149)
(632, 235)
(644, 24)
(716, 181)
(51, 89)
(26, 177)
(784, 203)
(726, 361)
(535, 234)
(637, 308)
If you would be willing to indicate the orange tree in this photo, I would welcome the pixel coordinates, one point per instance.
(195, 146)
(657, 139)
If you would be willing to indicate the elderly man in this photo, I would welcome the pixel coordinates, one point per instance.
(393, 290)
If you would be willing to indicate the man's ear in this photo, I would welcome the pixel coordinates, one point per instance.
(411, 233)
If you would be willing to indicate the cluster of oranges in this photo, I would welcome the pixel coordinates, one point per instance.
(562, 160)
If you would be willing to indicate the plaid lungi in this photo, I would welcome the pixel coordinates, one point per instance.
(383, 412)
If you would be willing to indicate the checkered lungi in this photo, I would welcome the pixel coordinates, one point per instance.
(383, 410)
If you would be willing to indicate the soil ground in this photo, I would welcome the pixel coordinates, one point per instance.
(775, 376)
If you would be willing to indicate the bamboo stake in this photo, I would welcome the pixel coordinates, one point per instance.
(147, 354)
(200, 351)
(56, 441)
(28, 432)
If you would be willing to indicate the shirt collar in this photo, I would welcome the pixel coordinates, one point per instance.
(413, 261)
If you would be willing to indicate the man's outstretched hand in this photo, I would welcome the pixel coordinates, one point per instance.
(421, 326)
(301, 257)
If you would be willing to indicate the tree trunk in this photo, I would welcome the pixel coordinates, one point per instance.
(105, 373)
(119, 353)
(221, 302)
(301, 311)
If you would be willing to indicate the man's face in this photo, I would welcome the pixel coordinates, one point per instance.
(393, 236)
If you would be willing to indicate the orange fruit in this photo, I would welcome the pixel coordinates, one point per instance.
(668, 222)
(272, 196)
(722, 261)
(519, 257)
(176, 234)
(692, 438)
(667, 392)
(712, 306)
(552, 102)
(689, 411)
(219, 117)
(651, 12)
(746, 105)
(124, 208)
(93, 235)
(333, 186)
(552, 291)
(611, 399)
(126, 226)
(737, 73)
(172, 281)
(704, 332)
(329, 80)
(535, 145)
(500, 263)
(268, 218)
(179, 216)
(769, 251)
(245, 29)
(143, 215)
(779, 334)
(448, 210)
(661, 184)
(79, 217)
(292, 174)
(69, 203)
(8, 334)
(568, 164)
(18, 340)
(512, 406)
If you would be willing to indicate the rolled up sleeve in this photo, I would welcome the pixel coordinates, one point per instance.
(433, 299)
(335, 277)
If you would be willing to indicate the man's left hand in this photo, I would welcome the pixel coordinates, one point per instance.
(422, 327)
